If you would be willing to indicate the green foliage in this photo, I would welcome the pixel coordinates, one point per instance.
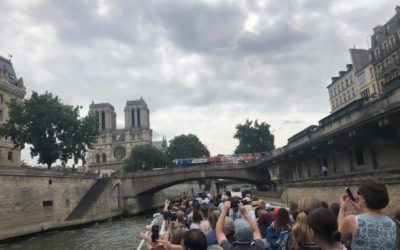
(145, 157)
(254, 138)
(53, 130)
(187, 146)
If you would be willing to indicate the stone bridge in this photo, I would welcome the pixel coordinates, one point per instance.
(148, 182)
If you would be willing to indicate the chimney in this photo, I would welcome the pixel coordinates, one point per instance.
(397, 9)
(349, 67)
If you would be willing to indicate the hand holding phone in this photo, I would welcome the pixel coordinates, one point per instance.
(350, 194)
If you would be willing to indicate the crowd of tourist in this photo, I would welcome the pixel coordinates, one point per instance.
(199, 222)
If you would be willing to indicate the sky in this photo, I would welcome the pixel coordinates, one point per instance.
(201, 66)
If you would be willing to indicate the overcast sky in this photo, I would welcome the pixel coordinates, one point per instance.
(201, 66)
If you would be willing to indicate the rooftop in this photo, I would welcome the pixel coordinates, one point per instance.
(101, 106)
(139, 102)
(7, 70)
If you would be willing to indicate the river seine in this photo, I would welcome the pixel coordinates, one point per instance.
(114, 235)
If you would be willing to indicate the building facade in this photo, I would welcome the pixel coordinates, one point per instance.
(364, 73)
(343, 89)
(114, 145)
(385, 46)
(357, 81)
(11, 87)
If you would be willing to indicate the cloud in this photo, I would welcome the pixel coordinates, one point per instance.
(201, 66)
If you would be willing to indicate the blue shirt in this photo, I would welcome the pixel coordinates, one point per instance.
(211, 238)
(374, 232)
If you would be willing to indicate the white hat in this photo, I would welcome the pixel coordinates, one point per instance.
(247, 199)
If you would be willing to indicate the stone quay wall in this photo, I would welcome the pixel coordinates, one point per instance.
(33, 200)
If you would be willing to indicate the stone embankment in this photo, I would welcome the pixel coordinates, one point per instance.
(35, 200)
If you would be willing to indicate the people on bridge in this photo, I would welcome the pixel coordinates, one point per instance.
(324, 170)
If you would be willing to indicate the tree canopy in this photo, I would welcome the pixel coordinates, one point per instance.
(254, 138)
(53, 130)
(187, 146)
(145, 157)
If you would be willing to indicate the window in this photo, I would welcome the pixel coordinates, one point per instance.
(365, 93)
(359, 156)
(1, 99)
(347, 83)
(341, 85)
(374, 88)
(384, 47)
(345, 96)
(348, 94)
(47, 203)
(377, 55)
(138, 118)
(103, 120)
(361, 78)
(352, 91)
(371, 72)
(97, 158)
(104, 157)
(133, 118)
(10, 155)
(1, 116)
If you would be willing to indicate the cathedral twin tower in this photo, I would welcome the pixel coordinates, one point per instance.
(114, 145)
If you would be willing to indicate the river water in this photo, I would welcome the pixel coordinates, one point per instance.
(114, 235)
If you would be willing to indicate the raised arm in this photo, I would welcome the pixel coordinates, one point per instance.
(254, 227)
(220, 222)
(346, 224)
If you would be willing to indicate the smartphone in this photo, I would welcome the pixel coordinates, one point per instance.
(350, 194)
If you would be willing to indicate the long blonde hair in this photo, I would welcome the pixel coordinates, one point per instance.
(300, 232)
(307, 204)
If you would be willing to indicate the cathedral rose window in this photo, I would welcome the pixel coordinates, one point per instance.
(119, 153)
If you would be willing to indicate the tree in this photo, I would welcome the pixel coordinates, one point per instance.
(187, 146)
(53, 130)
(254, 138)
(145, 157)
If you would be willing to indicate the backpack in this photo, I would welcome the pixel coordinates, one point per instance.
(277, 241)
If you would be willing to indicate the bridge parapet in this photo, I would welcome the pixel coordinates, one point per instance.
(181, 170)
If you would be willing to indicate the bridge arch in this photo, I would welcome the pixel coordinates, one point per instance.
(148, 182)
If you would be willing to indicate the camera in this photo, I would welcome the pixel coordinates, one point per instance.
(234, 203)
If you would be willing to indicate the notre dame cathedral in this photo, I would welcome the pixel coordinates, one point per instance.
(114, 145)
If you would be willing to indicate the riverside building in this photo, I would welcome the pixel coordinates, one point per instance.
(356, 82)
(11, 87)
(385, 46)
